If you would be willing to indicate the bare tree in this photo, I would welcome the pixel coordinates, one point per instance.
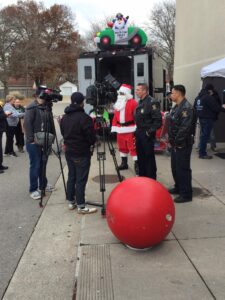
(95, 27)
(161, 29)
(47, 43)
(8, 40)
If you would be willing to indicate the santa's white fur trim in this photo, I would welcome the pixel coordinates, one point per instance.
(125, 89)
(123, 129)
(123, 154)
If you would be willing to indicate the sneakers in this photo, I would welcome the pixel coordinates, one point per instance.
(49, 188)
(72, 205)
(13, 154)
(86, 210)
(213, 148)
(35, 195)
(20, 149)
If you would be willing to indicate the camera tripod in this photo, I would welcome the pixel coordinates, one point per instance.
(49, 128)
(101, 157)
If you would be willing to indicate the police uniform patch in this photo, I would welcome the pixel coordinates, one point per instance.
(154, 107)
(184, 114)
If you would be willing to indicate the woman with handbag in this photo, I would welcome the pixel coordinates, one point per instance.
(37, 120)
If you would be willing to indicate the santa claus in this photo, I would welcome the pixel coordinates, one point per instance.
(123, 124)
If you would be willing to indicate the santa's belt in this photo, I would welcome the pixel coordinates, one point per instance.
(126, 123)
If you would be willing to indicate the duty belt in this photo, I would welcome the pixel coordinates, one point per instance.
(126, 123)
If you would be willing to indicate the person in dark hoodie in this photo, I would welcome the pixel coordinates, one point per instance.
(35, 119)
(212, 139)
(207, 109)
(78, 132)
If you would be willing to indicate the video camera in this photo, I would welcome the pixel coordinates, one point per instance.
(48, 94)
(102, 93)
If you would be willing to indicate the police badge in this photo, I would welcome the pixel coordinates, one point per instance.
(184, 114)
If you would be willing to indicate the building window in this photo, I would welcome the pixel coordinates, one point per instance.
(87, 72)
(140, 69)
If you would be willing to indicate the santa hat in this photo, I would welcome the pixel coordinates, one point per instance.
(126, 89)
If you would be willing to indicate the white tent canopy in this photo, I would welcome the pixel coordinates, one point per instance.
(216, 69)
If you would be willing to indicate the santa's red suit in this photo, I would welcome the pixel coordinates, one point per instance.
(123, 122)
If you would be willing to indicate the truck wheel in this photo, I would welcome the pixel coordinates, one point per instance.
(135, 42)
(105, 43)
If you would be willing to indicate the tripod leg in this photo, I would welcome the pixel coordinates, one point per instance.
(111, 149)
(58, 152)
(102, 179)
(113, 153)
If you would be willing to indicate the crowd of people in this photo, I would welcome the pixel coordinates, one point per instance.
(135, 124)
(11, 122)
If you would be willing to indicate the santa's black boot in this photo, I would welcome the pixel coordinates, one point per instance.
(136, 167)
(123, 165)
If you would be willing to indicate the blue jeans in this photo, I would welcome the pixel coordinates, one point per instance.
(78, 168)
(35, 156)
(206, 127)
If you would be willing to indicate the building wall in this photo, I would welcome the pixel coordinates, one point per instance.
(200, 40)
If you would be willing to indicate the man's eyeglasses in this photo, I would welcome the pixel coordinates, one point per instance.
(121, 93)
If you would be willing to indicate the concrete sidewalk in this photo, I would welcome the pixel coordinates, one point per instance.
(73, 256)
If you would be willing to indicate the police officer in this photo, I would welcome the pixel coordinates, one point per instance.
(148, 119)
(181, 130)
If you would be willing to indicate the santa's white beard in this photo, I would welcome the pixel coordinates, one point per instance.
(120, 102)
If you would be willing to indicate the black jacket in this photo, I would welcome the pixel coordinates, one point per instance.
(77, 129)
(182, 124)
(148, 115)
(2, 120)
(207, 106)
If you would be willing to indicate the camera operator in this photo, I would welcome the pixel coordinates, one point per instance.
(37, 116)
(77, 129)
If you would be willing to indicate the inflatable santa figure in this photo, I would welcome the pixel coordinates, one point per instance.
(123, 124)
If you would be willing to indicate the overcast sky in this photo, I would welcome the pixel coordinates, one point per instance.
(89, 10)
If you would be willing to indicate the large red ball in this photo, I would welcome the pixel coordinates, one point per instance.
(140, 212)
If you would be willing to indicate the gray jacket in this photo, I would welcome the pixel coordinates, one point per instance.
(13, 119)
(34, 120)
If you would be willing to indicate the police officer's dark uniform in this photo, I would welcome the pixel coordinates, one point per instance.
(148, 119)
(181, 130)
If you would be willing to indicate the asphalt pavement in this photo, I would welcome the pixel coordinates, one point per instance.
(18, 213)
